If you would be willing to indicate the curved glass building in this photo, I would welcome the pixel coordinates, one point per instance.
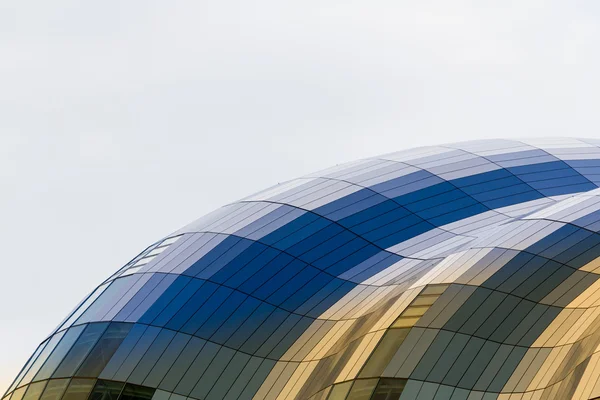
(464, 271)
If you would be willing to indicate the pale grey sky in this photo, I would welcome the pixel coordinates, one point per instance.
(121, 121)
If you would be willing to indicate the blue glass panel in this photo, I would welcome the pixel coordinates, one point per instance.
(266, 272)
(282, 276)
(375, 213)
(253, 251)
(164, 299)
(183, 314)
(291, 227)
(178, 302)
(212, 255)
(232, 322)
(210, 297)
(252, 267)
(225, 258)
(291, 286)
(141, 294)
(284, 242)
(219, 315)
(249, 327)
(388, 213)
(319, 282)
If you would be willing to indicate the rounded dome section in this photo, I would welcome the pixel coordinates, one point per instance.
(462, 271)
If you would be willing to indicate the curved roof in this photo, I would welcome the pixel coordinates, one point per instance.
(460, 270)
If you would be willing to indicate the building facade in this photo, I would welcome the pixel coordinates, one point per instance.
(464, 271)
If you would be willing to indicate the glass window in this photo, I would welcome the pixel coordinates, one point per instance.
(389, 389)
(80, 350)
(59, 352)
(106, 390)
(163, 365)
(79, 389)
(434, 289)
(34, 391)
(104, 350)
(340, 391)
(18, 394)
(415, 311)
(151, 356)
(111, 296)
(135, 392)
(160, 395)
(424, 300)
(362, 389)
(405, 322)
(55, 389)
(135, 354)
(384, 352)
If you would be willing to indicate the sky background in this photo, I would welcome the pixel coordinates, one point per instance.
(121, 121)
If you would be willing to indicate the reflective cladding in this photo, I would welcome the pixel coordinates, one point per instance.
(463, 271)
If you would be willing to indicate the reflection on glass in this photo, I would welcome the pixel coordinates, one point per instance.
(362, 389)
(135, 392)
(79, 389)
(55, 389)
(34, 391)
(389, 389)
(106, 390)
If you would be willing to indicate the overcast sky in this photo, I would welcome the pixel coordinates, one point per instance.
(121, 121)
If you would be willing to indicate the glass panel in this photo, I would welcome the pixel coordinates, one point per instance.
(106, 390)
(54, 389)
(43, 357)
(389, 389)
(340, 391)
(18, 394)
(58, 354)
(415, 311)
(80, 350)
(135, 392)
(362, 389)
(34, 391)
(434, 289)
(79, 389)
(161, 395)
(424, 300)
(104, 350)
(383, 353)
(405, 322)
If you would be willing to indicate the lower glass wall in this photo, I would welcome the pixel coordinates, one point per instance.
(364, 389)
(81, 389)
